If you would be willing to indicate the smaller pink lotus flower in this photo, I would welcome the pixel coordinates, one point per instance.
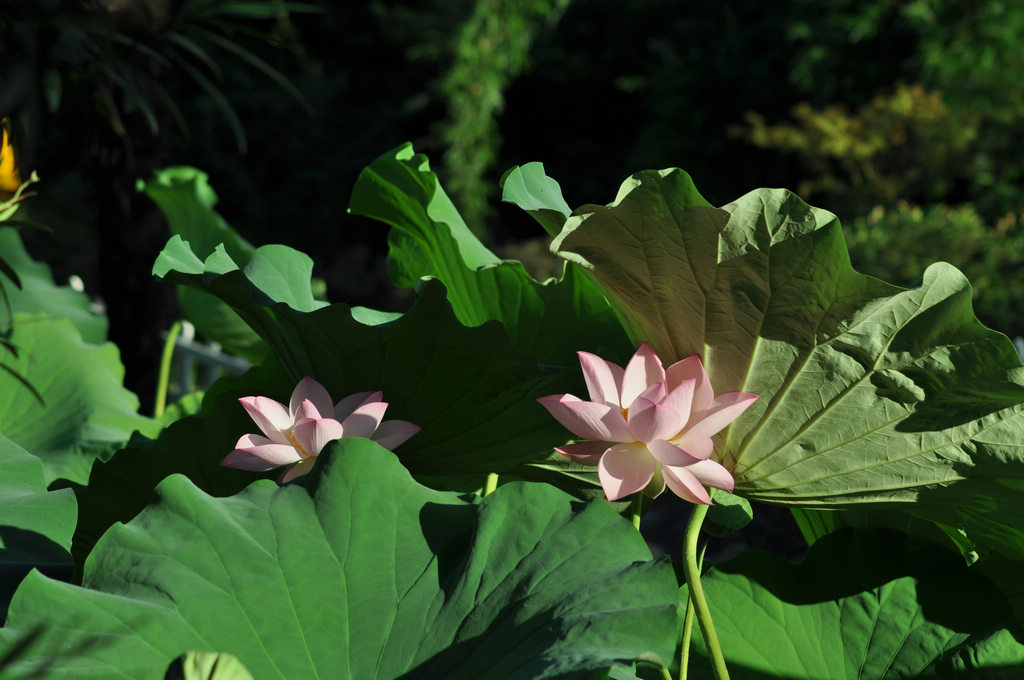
(297, 434)
(649, 427)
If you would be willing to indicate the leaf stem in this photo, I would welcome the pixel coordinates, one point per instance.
(684, 646)
(160, 402)
(636, 510)
(700, 603)
(491, 484)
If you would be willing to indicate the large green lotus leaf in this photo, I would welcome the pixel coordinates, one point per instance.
(867, 605)
(39, 295)
(87, 413)
(35, 525)
(471, 392)
(359, 572)
(868, 393)
(552, 320)
(187, 201)
(193, 446)
(529, 187)
(999, 656)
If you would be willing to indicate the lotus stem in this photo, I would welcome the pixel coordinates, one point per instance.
(636, 509)
(160, 402)
(491, 484)
(700, 603)
(684, 646)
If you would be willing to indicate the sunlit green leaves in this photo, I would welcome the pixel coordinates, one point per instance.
(869, 393)
(187, 202)
(473, 394)
(868, 605)
(532, 190)
(87, 413)
(359, 573)
(35, 525)
(193, 446)
(729, 513)
(551, 320)
(38, 294)
(870, 396)
(207, 666)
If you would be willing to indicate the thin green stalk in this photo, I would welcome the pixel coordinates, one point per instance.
(666, 674)
(700, 603)
(160, 403)
(636, 510)
(684, 647)
(491, 484)
(684, 651)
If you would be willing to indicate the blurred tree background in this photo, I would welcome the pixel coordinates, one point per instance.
(904, 117)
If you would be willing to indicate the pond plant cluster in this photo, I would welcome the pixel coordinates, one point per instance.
(456, 491)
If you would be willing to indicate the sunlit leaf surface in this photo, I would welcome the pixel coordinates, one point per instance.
(35, 525)
(869, 393)
(360, 573)
(552, 320)
(861, 606)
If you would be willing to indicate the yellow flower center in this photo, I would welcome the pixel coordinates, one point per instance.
(290, 434)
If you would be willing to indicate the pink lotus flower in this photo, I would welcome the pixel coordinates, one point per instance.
(297, 434)
(649, 427)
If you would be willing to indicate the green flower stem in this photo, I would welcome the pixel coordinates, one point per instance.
(684, 646)
(160, 402)
(491, 484)
(636, 510)
(700, 603)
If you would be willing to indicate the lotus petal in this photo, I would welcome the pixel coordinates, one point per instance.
(269, 415)
(668, 453)
(302, 467)
(680, 399)
(585, 453)
(725, 409)
(625, 469)
(684, 484)
(344, 408)
(604, 379)
(363, 422)
(260, 458)
(587, 419)
(391, 433)
(649, 421)
(699, 446)
(642, 371)
(710, 473)
(306, 410)
(691, 368)
(309, 389)
(268, 450)
(312, 434)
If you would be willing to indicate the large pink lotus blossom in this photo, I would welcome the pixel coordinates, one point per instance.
(649, 427)
(297, 434)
